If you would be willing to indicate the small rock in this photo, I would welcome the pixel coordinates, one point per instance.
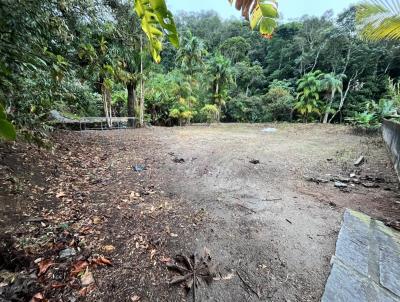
(394, 224)
(178, 160)
(352, 175)
(317, 180)
(359, 161)
(67, 253)
(135, 298)
(269, 130)
(370, 185)
(340, 185)
(138, 168)
(254, 161)
(340, 179)
(343, 179)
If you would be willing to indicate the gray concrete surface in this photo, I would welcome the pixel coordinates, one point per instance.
(366, 265)
(391, 136)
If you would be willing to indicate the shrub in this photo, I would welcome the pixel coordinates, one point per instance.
(279, 103)
(210, 113)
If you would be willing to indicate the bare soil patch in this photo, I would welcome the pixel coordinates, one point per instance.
(101, 216)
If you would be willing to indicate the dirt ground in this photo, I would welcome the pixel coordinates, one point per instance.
(264, 204)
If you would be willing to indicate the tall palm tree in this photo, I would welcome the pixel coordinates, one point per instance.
(332, 83)
(191, 53)
(190, 56)
(221, 72)
(379, 19)
(309, 87)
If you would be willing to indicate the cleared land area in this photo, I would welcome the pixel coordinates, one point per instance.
(264, 204)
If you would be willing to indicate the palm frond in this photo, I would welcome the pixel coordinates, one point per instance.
(379, 19)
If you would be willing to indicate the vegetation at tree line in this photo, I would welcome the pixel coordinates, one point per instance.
(113, 58)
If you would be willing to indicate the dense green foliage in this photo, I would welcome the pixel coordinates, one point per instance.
(91, 58)
(330, 74)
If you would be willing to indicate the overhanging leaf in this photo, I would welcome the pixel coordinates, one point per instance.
(3, 115)
(7, 130)
(263, 13)
(156, 21)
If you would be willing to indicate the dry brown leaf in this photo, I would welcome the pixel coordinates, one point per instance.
(79, 267)
(152, 253)
(108, 248)
(102, 261)
(86, 290)
(44, 265)
(87, 278)
(37, 298)
(57, 285)
(135, 298)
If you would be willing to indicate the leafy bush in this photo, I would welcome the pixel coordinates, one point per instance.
(374, 114)
(210, 113)
(246, 109)
(119, 102)
(279, 102)
(181, 112)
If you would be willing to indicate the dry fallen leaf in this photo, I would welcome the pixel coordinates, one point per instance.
(37, 298)
(135, 298)
(87, 278)
(44, 265)
(96, 220)
(79, 267)
(57, 285)
(152, 253)
(102, 261)
(60, 194)
(84, 291)
(108, 248)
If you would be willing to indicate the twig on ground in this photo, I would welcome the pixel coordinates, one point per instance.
(273, 199)
(244, 207)
(248, 286)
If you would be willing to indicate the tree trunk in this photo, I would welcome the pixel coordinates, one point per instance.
(132, 102)
(343, 96)
(106, 96)
(141, 107)
(219, 102)
(329, 108)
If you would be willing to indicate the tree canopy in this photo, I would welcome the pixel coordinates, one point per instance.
(99, 58)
